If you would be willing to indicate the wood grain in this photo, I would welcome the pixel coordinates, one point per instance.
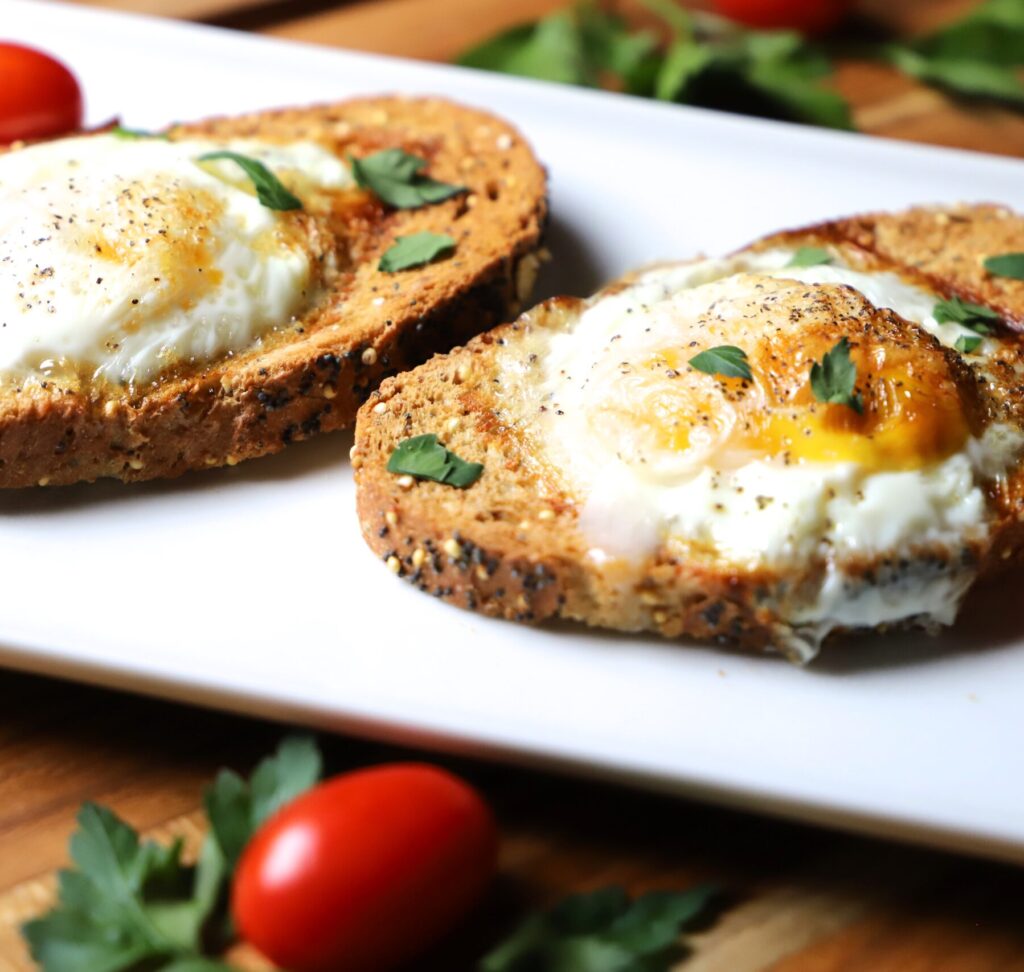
(801, 899)
(427, 29)
(180, 9)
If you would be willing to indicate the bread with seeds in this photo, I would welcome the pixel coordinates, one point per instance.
(823, 432)
(208, 295)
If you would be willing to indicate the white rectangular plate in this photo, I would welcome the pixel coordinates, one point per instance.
(250, 588)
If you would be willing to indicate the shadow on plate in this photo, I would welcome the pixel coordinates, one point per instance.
(991, 619)
(574, 269)
(296, 461)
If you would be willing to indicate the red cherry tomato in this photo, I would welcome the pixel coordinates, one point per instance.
(39, 97)
(807, 16)
(365, 871)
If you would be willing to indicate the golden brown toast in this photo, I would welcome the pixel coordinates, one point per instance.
(511, 545)
(311, 374)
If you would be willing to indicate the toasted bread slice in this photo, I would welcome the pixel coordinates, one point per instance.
(310, 374)
(521, 544)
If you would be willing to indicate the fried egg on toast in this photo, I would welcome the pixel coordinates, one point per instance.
(201, 296)
(857, 465)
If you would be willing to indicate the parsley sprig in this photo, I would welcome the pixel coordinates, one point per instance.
(424, 457)
(604, 931)
(809, 256)
(725, 359)
(834, 377)
(978, 56)
(966, 343)
(707, 61)
(977, 317)
(269, 189)
(119, 131)
(713, 62)
(415, 250)
(128, 904)
(396, 177)
(1010, 265)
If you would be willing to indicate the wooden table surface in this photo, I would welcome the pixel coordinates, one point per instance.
(802, 899)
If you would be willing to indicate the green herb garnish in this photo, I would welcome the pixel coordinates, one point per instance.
(971, 78)
(975, 316)
(708, 61)
(424, 457)
(269, 189)
(1006, 265)
(549, 50)
(967, 343)
(809, 256)
(395, 177)
(834, 377)
(237, 808)
(128, 905)
(604, 931)
(119, 131)
(679, 72)
(724, 360)
(977, 56)
(114, 907)
(417, 250)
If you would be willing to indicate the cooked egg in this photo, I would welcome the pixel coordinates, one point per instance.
(124, 257)
(873, 515)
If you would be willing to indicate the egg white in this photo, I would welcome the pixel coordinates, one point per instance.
(105, 241)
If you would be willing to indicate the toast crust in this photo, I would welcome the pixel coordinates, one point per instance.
(509, 546)
(312, 375)
(943, 245)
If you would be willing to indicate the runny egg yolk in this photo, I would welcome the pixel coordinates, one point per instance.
(911, 416)
(906, 423)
